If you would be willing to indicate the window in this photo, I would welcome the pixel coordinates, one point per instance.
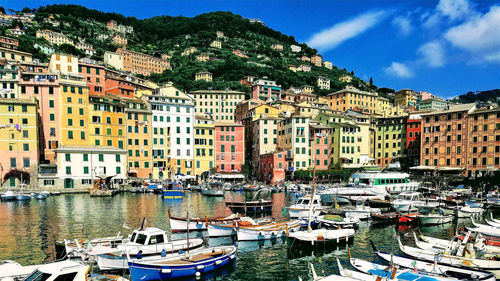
(101, 157)
(68, 170)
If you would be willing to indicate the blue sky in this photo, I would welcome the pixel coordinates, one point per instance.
(446, 47)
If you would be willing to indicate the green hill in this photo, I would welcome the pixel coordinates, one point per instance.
(172, 35)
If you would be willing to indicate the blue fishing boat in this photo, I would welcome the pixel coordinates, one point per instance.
(173, 191)
(181, 265)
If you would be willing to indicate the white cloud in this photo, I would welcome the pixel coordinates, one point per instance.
(398, 69)
(479, 35)
(432, 54)
(403, 25)
(340, 32)
(454, 9)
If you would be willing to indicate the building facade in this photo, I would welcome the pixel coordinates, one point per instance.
(219, 104)
(229, 147)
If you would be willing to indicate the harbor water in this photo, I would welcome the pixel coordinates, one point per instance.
(28, 231)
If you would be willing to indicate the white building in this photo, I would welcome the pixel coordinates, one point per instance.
(78, 165)
(293, 135)
(296, 48)
(173, 136)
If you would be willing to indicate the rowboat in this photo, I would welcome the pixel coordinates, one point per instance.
(427, 267)
(222, 230)
(178, 224)
(321, 236)
(355, 275)
(181, 265)
(489, 265)
(484, 229)
(250, 207)
(407, 219)
(467, 212)
(386, 218)
(333, 277)
(434, 219)
(268, 231)
(335, 220)
(383, 271)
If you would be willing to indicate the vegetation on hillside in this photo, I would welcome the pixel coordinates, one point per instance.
(482, 96)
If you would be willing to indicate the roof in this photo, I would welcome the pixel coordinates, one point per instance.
(18, 101)
(232, 124)
(453, 108)
(215, 91)
(90, 148)
(350, 89)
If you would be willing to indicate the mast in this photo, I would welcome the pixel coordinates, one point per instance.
(188, 230)
(312, 187)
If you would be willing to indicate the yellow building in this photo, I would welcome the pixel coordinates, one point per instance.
(74, 96)
(383, 106)
(140, 157)
(107, 121)
(205, 76)
(18, 136)
(64, 64)
(220, 104)
(15, 55)
(351, 97)
(309, 109)
(204, 144)
(405, 98)
(53, 37)
(216, 44)
(114, 60)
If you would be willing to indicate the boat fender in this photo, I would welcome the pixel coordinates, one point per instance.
(217, 262)
(261, 234)
(273, 234)
(166, 270)
(337, 240)
(200, 267)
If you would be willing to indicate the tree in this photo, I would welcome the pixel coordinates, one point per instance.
(371, 81)
(2, 10)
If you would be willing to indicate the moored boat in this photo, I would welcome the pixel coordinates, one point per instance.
(222, 230)
(302, 208)
(386, 218)
(267, 231)
(181, 265)
(467, 212)
(178, 224)
(407, 201)
(250, 207)
(8, 195)
(433, 219)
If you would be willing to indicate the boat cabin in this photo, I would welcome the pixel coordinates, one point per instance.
(410, 196)
(149, 236)
(306, 200)
(63, 270)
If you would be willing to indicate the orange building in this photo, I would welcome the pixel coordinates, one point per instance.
(139, 63)
(94, 75)
(350, 98)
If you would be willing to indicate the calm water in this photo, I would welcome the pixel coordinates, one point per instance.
(28, 231)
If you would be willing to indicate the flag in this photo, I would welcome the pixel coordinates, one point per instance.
(394, 232)
(414, 265)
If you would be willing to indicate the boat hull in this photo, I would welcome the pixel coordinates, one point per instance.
(220, 230)
(471, 212)
(211, 192)
(173, 194)
(434, 220)
(265, 233)
(250, 207)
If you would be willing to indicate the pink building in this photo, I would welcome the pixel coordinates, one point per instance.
(266, 90)
(229, 147)
(35, 81)
(273, 166)
(320, 145)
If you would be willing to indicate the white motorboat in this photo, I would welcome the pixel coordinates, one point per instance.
(66, 270)
(360, 211)
(484, 229)
(267, 231)
(385, 182)
(335, 220)
(434, 219)
(352, 192)
(322, 236)
(301, 208)
(8, 195)
(493, 222)
(429, 267)
(355, 275)
(468, 211)
(149, 241)
(488, 265)
(407, 201)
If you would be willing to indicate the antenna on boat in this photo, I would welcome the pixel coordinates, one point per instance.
(142, 223)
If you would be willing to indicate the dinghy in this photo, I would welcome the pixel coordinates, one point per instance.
(484, 229)
(222, 230)
(335, 220)
(429, 267)
(181, 264)
(434, 219)
(267, 231)
(489, 265)
(359, 275)
(468, 211)
(178, 224)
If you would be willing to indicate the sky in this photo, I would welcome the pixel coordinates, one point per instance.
(446, 47)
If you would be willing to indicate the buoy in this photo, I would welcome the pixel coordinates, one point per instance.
(198, 274)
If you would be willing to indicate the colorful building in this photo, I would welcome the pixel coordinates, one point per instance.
(264, 139)
(319, 136)
(266, 90)
(219, 104)
(107, 121)
(203, 76)
(139, 63)
(293, 136)
(273, 166)
(317, 60)
(9, 79)
(433, 104)
(204, 144)
(351, 97)
(19, 136)
(323, 83)
(390, 139)
(229, 147)
(15, 55)
(139, 131)
(94, 75)
(405, 98)
(413, 141)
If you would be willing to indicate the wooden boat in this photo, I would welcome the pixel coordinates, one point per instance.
(383, 271)
(407, 219)
(66, 270)
(355, 275)
(149, 241)
(221, 230)
(268, 231)
(379, 203)
(434, 219)
(178, 224)
(386, 218)
(488, 265)
(429, 267)
(181, 265)
(321, 236)
(335, 220)
(250, 207)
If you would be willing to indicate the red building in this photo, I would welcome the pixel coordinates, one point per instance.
(94, 75)
(229, 147)
(413, 133)
(273, 166)
(320, 145)
(118, 84)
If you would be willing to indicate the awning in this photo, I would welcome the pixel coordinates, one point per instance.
(229, 176)
(450, 169)
(423, 168)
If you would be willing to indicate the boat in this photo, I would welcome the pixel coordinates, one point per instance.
(407, 218)
(267, 231)
(181, 265)
(492, 266)
(360, 211)
(386, 218)
(493, 221)
(212, 189)
(468, 211)
(40, 196)
(251, 187)
(173, 190)
(430, 267)
(149, 241)
(394, 273)
(385, 182)
(321, 237)
(23, 197)
(488, 230)
(493, 199)
(434, 219)
(250, 207)
(336, 220)
(479, 244)
(379, 203)
(66, 270)
(356, 275)
(8, 195)
(221, 230)
(353, 192)
(301, 208)
(332, 277)
(406, 201)
(74, 248)
(178, 224)
(449, 210)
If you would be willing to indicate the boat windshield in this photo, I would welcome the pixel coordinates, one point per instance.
(38, 276)
(134, 234)
(364, 181)
(304, 202)
(406, 197)
(141, 239)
